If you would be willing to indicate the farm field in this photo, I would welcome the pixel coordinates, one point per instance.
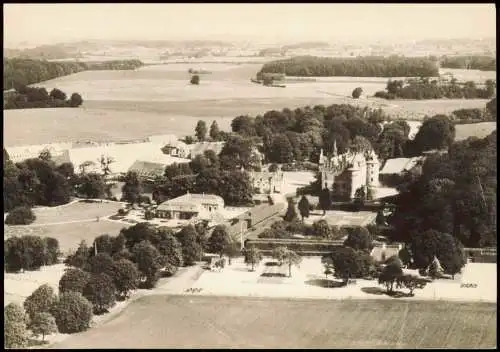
(69, 235)
(224, 322)
(479, 130)
(158, 99)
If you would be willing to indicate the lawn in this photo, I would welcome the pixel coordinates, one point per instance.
(224, 322)
(74, 212)
(479, 130)
(69, 235)
(18, 286)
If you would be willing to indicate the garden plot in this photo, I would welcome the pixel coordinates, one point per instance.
(343, 218)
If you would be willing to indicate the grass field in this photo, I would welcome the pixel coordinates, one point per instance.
(210, 322)
(479, 130)
(18, 286)
(69, 235)
(159, 99)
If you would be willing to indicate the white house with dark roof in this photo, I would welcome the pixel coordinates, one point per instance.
(191, 206)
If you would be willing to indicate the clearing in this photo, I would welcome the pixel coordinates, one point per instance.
(480, 130)
(224, 322)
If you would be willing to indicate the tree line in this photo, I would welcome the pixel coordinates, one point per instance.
(29, 98)
(23, 72)
(424, 88)
(41, 181)
(212, 174)
(474, 62)
(371, 66)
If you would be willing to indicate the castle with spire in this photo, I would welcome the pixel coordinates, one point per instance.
(344, 174)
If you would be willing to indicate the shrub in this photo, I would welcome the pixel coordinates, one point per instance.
(356, 93)
(195, 79)
(321, 229)
(72, 313)
(122, 212)
(20, 216)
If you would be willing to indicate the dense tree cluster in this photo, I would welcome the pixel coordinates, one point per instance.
(37, 181)
(207, 174)
(319, 230)
(30, 252)
(298, 135)
(138, 257)
(395, 66)
(455, 195)
(425, 88)
(32, 97)
(23, 72)
(482, 63)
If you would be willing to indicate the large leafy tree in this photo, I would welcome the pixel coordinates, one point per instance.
(101, 292)
(304, 207)
(92, 185)
(15, 331)
(40, 300)
(291, 213)
(132, 188)
(253, 257)
(191, 249)
(125, 277)
(72, 312)
(291, 258)
(325, 200)
(219, 241)
(437, 132)
(74, 280)
(201, 130)
(359, 239)
(43, 324)
(149, 262)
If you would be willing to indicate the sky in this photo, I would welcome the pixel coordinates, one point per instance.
(53, 23)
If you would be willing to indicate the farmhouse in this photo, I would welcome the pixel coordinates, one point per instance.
(190, 206)
(344, 174)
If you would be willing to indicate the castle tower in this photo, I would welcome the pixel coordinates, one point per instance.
(372, 170)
